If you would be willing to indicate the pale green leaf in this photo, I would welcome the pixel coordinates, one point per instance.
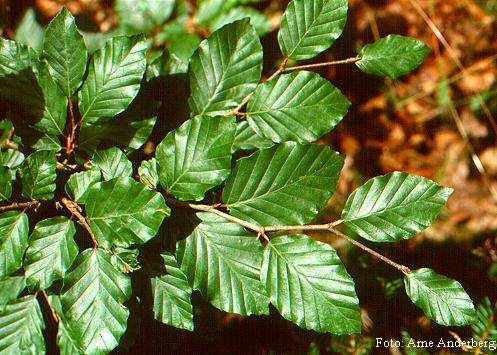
(171, 292)
(394, 206)
(247, 139)
(92, 300)
(223, 262)
(112, 163)
(441, 299)
(309, 27)
(310, 286)
(14, 228)
(143, 15)
(11, 158)
(66, 338)
(181, 48)
(392, 56)
(51, 252)
(196, 157)
(65, 52)
(29, 31)
(261, 22)
(123, 212)
(78, 184)
(10, 288)
(126, 259)
(48, 142)
(224, 69)
(38, 175)
(285, 184)
(300, 106)
(114, 77)
(5, 183)
(148, 172)
(21, 327)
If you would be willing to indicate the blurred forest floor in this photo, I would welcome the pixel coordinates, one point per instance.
(439, 122)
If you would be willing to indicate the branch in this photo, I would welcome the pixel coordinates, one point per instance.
(54, 314)
(74, 208)
(261, 231)
(19, 205)
(71, 137)
(325, 64)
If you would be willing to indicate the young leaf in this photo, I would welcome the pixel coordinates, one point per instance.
(123, 212)
(148, 173)
(224, 69)
(223, 262)
(114, 77)
(5, 183)
(247, 139)
(309, 285)
(309, 27)
(441, 299)
(394, 206)
(65, 52)
(261, 22)
(196, 157)
(38, 175)
(92, 301)
(392, 56)
(144, 15)
(29, 31)
(285, 184)
(14, 227)
(21, 327)
(51, 252)
(112, 163)
(300, 106)
(78, 184)
(172, 305)
(485, 326)
(10, 288)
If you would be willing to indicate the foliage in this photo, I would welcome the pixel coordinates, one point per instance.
(259, 171)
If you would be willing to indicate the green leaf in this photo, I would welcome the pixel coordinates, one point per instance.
(172, 305)
(5, 183)
(11, 158)
(65, 52)
(224, 69)
(285, 184)
(392, 56)
(38, 175)
(441, 299)
(196, 157)
(247, 139)
(485, 326)
(92, 300)
(309, 27)
(223, 262)
(126, 259)
(309, 285)
(123, 212)
(78, 184)
(29, 31)
(261, 22)
(14, 228)
(66, 338)
(15, 57)
(48, 142)
(181, 48)
(114, 77)
(394, 206)
(148, 173)
(299, 106)
(21, 327)
(10, 288)
(112, 163)
(144, 15)
(51, 252)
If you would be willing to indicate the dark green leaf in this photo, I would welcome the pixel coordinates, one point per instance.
(247, 139)
(114, 77)
(171, 292)
(38, 175)
(14, 228)
(5, 183)
(66, 337)
(392, 56)
(309, 285)
(223, 262)
(65, 52)
(92, 300)
(123, 212)
(224, 69)
(78, 184)
(148, 173)
(196, 157)
(394, 206)
(441, 299)
(112, 163)
(309, 27)
(29, 31)
(10, 288)
(285, 184)
(51, 252)
(299, 106)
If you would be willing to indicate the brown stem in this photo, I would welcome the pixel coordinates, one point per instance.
(325, 64)
(19, 205)
(74, 208)
(71, 137)
(54, 314)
